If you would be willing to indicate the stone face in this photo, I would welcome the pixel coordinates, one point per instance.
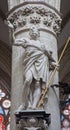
(47, 19)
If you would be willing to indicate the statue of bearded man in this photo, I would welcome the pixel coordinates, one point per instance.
(36, 68)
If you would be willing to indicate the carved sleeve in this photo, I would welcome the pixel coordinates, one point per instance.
(21, 42)
(49, 54)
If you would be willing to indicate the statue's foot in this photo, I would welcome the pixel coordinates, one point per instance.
(36, 108)
(29, 106)
(20, 108)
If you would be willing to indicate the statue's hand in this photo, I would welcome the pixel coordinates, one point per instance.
(11, 29)
(56, 65)
(10, 25)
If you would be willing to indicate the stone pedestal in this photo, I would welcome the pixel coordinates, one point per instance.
(32, 120)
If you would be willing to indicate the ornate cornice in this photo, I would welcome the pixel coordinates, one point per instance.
(37, 14)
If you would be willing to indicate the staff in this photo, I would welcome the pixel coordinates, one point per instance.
(53, 73)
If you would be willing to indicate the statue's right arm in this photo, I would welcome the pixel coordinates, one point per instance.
(20, 42)
(14, 41)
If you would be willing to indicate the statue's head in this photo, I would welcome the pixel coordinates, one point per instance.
(34, 32)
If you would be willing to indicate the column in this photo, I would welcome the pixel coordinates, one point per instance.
(47, 19)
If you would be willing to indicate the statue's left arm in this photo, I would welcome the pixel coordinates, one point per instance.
(52, 62)
(48, 53)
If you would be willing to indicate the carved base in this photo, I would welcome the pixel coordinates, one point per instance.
(32, 120)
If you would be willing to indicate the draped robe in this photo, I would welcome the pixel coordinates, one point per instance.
(35, 59)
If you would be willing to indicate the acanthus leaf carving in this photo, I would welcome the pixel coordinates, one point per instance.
(36, 15)
(57, 24)
(21, 20)
(35, 19)
(48, 20)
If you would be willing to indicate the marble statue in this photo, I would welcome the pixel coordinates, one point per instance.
(36, 68)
